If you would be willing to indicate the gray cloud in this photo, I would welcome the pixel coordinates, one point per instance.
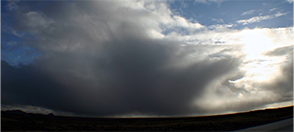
(28, 86)
(135, 76)
(283, 85)
(107, 67)
(281, 51)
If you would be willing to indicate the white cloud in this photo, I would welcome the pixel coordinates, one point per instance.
(290, 1)
(200, 1)
(280, 14)
(209, 1)
(183, 22)
(248, 12)
(273, 9)
(260, 18)
(218, 20)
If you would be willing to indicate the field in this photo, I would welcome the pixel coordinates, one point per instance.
(20, 121)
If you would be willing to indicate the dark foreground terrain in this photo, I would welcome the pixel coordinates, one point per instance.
(21, 121)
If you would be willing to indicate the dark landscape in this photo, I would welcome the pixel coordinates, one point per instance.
(16, 120)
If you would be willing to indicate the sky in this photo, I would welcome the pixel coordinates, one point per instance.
(146, 57)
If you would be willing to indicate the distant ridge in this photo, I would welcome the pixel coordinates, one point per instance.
(20, 112)
(17, 112)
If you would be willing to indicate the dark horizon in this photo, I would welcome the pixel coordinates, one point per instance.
(275, 120)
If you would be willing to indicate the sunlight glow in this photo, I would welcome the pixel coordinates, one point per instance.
(259, 71)
(255, 43)
(258, 67)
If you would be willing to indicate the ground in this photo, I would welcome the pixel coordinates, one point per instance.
(18, 121)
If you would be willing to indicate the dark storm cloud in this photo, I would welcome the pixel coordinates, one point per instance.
(99, 58)
(28, 86)
(144, 82)
(135, 76)
(283, 86)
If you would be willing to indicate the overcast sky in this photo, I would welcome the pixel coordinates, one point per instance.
(146, 58)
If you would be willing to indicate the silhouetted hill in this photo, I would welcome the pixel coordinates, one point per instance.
(17, 112)
(13, 121)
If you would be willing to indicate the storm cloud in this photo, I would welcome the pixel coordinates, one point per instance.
(104, 58)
